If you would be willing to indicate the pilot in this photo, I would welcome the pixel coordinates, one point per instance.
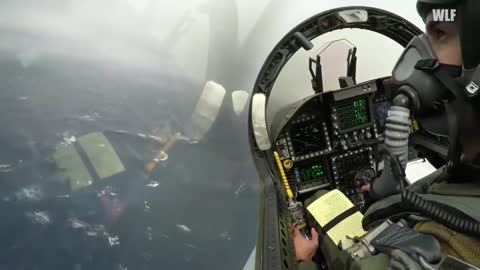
(451, 46)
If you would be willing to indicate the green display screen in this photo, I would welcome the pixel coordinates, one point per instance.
(353, 114)
(312, 172)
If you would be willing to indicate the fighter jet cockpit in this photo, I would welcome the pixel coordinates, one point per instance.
(161, 134)
(320, 117)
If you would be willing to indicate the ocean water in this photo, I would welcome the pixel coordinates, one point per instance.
(197, 210)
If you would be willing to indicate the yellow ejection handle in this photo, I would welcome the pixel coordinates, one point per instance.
(163, 152)
(283, 176)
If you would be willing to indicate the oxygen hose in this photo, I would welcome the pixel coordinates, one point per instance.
(441, 214)
(397, 132)
(449, 219)
(396, 141)
(393, 177)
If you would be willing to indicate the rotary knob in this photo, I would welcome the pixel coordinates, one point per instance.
(288, 164)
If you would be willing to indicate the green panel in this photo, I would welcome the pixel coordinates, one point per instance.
(72, 165)
(353, 114)
(101, 154)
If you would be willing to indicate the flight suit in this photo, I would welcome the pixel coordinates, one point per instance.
(463, 194)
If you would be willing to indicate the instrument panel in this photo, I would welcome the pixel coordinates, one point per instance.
(332, 139)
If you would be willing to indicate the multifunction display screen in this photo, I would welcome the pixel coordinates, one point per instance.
(353, 114)
(309, 171)
(308, 137)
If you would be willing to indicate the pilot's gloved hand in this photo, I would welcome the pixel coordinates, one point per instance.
(304, 249)
(365, 188)
(401, 261)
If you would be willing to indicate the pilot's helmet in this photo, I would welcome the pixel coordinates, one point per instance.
(468, 22)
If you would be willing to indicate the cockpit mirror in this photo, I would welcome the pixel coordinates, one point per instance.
(335, 20)
(330, 22)
(354, 15)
